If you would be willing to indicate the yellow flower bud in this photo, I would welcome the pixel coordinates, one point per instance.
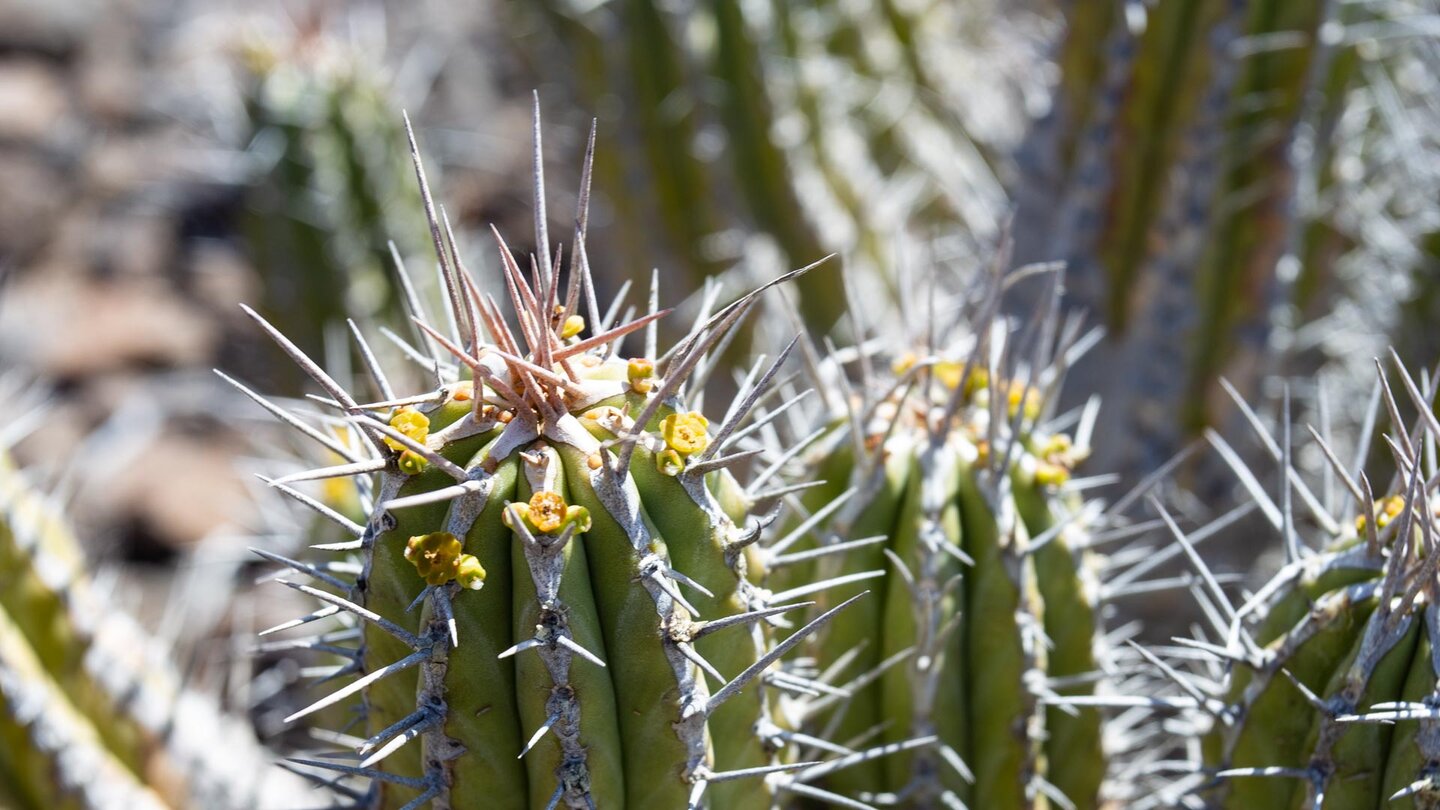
(641, 372)
(579, 516)
(521, 510)
(903, 363)
(1386, 510)
(669, 462)
(979, 380)
(685, 432)
(414, 425)
(470, 573)
(1031, 401)
(412, 463)
(573, 326)
(948, 372)
(1050, 475)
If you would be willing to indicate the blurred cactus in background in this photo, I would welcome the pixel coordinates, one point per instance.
(1196, 171)
(816, 126)
(93, 713)
(333, 191)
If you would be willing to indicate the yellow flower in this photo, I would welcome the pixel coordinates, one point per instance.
(573, 326)
(1031, 400)
(435, 556)
(948, 373)
(1050, 475)
(979, 381)
(547, 512)
(1386, 510)
(412, 424)
(685, 432)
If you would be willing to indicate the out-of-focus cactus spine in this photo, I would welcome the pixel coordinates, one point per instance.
(988, 624)
(1166, 176)
(828, 127)
(334, 192)
(1320, 689)
(92, 713)
(546, 559)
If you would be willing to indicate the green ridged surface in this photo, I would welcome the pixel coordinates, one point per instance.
(958, 642)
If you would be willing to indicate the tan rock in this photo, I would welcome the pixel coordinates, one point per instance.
(65, 326)
(32, 100)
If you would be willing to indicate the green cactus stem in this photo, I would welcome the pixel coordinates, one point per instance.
(554, 576)
(944, 479)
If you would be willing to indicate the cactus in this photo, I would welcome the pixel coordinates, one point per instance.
(946, 479)
(1319, 689)
(815, 126)
(92, 712)
(554, 576)
(332, 195)
(1166, 176)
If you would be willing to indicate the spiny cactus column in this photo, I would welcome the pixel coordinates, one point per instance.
(92, 712)
(827, 126)
(942, 478)
(1165, 175)
(547, 566)
(1321, 688)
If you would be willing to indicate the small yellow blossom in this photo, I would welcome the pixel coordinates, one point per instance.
(1050, 475)
(1031, 399)
(546, 512)
(641, 373)
(948, 372)
(573, 326)
(469, 572)
(1386, 510)
(439, 558)
(412, 463)
(410, 423)
(685, 432)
